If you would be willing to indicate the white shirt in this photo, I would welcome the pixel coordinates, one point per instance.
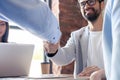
(95, 52)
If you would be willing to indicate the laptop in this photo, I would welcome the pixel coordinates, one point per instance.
(15, 59)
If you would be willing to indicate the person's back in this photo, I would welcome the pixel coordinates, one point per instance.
(111, 40)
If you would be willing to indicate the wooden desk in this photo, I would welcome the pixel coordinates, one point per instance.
(47, 77)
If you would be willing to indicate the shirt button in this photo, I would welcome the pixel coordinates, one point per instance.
(53, 37)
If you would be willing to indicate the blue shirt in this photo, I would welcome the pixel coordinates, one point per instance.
(111, 40)
(32, 15)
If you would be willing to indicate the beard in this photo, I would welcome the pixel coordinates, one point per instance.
(93, 16)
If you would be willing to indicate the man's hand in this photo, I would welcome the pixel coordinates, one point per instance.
(50, 47)
(98, 75)
(88, 71)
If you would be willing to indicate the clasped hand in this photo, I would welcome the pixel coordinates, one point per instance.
(93, 72)
(50, 47)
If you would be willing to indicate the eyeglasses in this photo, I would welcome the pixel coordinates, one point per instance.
(89, 2)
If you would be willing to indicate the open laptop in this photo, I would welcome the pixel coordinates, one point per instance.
(15, 59)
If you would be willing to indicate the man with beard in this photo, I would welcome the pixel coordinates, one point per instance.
(85, 45)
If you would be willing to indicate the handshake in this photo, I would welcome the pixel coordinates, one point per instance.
(50, 47)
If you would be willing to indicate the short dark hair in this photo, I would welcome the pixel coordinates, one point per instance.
(101, 1)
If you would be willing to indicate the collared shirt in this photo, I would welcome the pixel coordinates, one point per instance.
(32, 15)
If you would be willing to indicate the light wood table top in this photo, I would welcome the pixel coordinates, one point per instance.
(46, 77)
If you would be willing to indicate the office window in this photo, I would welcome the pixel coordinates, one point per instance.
(19, 35)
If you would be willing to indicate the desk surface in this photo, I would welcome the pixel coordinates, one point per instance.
(47, 77)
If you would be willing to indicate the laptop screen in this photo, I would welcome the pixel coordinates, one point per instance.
(15, 59)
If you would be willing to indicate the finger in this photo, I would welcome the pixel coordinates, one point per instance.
(81, 74)
(92, 69)
(88, 71)
(88, 74)
(50, 47)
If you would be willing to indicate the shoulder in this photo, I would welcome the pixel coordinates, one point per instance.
(80, 31)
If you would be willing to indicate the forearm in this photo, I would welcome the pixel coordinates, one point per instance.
(34, 16)
(62, 57)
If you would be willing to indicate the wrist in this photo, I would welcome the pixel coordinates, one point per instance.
(51, 54)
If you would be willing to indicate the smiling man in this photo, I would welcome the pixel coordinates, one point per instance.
(85, 44)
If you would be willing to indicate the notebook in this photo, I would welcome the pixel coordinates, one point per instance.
(15, 59)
